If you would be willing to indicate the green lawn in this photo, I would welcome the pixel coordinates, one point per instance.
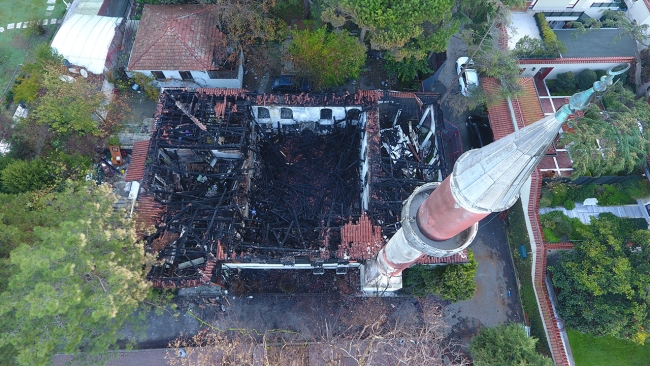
(606, 351)
(14, 44)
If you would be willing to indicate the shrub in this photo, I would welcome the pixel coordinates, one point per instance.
(612, 196)
(22, 176)
(328, 59)
(569, 204)
(636, 188)
(557, 226)
(452, 282)
(566, 82)
(113, 141)
(559, 192)
(553, 45)
(586, 79)
(546, 199)
(549, 236)
(581, 193)
(409, 69)
(147, 84)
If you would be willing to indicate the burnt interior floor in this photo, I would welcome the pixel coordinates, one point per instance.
(304, 188)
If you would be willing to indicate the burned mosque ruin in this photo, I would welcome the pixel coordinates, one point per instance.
(234, 179)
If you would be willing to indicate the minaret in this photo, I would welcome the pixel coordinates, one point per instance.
(441, 219)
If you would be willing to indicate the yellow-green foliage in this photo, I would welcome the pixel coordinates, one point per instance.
(553, 44)
(328, 59)
(147, 84)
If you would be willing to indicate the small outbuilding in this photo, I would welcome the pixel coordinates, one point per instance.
(88, 41)
(182, 46)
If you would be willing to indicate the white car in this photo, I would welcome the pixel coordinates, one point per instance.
(469, 79)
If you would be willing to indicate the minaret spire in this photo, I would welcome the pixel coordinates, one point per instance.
(441, 219)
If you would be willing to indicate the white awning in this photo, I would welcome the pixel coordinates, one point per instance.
(84, 40)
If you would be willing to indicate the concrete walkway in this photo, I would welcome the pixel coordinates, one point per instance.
(584, 213)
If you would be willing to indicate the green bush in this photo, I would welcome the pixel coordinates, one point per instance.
(600, 73)
(558, 227)
(409, 69)
(586, 79)
(21, 176)
(569, 204)
(636, 188)
(553, 45)
(612, 196)
(518, 235)
(581, 193)
(566, 82)
(451, 282)
(549, 236)
(113, 141)
(147, 84)
(559, 193)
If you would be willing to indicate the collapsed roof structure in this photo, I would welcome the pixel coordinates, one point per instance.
(285, 181)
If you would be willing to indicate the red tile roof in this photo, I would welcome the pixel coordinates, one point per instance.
(147, 213)
(454, 259)
(135, 172)
(361, 240)
(527, 108)
(172, 37)
(576, 60)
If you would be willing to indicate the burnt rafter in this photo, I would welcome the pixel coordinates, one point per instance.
(197, 166)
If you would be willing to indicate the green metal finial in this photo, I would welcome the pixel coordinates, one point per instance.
(581, 100)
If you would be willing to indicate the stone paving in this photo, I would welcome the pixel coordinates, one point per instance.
(22, 25)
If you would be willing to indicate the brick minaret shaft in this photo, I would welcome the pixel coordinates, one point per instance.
(441, 219)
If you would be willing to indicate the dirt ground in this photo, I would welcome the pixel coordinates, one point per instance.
(496, 300)
(306, 314)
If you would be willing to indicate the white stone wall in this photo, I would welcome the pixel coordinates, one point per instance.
(531, 69)
(300, 114)
(201, 79)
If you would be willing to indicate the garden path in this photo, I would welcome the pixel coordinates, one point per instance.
(584, 213)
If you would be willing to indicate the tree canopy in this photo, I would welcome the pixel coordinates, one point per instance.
(405, 28)
(603, 283)
(506, 345)
(68, 104)
(75, 272)
(328, 59)
(613, 141)
(640, 33)
(487, 56)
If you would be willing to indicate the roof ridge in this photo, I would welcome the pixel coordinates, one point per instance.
(162, 34)
(191, 51)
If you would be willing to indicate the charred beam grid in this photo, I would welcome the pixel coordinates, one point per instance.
(197, 164)
(305, 187)
(405, 162)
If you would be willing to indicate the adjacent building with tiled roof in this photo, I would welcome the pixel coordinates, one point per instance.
(182, 46)
(595, 49)
(531, 106)
(135, 172)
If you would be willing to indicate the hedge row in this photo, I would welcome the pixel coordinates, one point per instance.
(626, 193)
(553, 45)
